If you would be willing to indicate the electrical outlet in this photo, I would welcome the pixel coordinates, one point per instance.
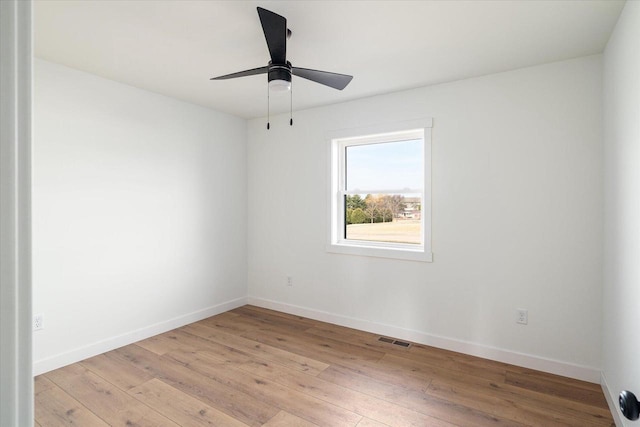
(38, 322)
(289, 281)
(522, 316)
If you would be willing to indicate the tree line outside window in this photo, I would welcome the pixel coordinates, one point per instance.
(376, 208)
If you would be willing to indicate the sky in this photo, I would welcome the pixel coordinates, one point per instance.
(385, 166)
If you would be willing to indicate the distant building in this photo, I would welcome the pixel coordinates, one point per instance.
(412, 208)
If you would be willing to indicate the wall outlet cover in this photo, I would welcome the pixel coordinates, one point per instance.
(38, 322)
(522, 316)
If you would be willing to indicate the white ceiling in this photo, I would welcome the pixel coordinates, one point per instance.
(174, 47)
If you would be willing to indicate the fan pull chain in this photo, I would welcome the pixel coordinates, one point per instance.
(291, 105)
(268, 102)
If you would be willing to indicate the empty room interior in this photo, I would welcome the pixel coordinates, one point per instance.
(400, 213)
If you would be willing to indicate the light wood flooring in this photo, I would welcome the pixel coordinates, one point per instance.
(256, 367)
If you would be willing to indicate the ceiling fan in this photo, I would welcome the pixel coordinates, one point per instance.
(279, 70)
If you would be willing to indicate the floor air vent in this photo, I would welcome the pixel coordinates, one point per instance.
(395, 342)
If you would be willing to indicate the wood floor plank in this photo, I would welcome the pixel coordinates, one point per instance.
(194, 343)
(253, 320)
(448, 410)
(423, 370)
(273, 317)
(306, 407)
(578, 410)
(121, 374)
(325, 350)
(421, 351)
(366, 422)
(42, 383)
(368, 406)
(161, 344)
(388, 373)
(391, 391)
(557, 386)
(54, 407)
(223, 397)
(506, 404)
(104, 399)
(545, 376)
(262, 351)
(285, 419)
(181, 407)
(233, 323)
(291, 317)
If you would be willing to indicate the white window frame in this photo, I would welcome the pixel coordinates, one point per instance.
(396, 132)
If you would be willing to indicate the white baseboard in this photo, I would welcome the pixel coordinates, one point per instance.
(585, 373)
(612, 401)
(99, 347)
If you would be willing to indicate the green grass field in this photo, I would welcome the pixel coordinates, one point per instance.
(404, 231)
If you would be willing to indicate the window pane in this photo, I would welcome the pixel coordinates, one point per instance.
(392, 218)
(385, 166)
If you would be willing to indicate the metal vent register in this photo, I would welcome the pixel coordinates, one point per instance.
(395, 342)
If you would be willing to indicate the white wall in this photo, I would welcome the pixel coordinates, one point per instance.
(517, 219)
(621, 344)
(139, 214)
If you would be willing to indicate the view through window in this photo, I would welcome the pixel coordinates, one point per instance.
(383, 190)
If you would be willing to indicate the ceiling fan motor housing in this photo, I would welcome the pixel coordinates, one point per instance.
(280, 72)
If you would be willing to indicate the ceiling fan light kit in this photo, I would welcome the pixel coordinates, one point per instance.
(279, 77)
(280, 85)
(279, 70)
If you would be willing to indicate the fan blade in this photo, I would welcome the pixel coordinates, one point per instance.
(275, 32)
(252, 72)
(334, 80)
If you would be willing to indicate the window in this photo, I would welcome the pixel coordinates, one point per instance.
(380, 192)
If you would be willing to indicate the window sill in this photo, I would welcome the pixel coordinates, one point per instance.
(405, 254)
